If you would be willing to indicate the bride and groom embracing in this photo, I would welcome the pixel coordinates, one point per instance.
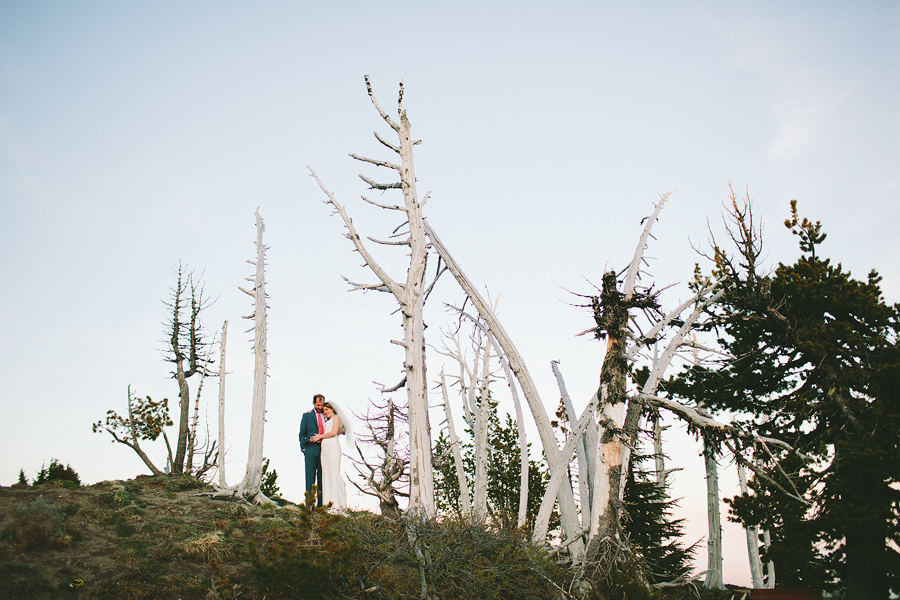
(319, 431)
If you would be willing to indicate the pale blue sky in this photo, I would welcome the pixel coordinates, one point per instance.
(134, 136)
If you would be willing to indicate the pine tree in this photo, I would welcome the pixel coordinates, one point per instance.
(504, 475)
(817, 364)
(654, 535)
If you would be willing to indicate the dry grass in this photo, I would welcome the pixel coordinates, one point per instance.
(207, 546)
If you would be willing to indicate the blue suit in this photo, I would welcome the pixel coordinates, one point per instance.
(312, 452)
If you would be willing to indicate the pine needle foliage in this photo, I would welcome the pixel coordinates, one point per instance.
(504, 475)
(655, 536)
(57, 472)
(313, 557)
(817, 365)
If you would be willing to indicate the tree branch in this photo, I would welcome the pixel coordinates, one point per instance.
(395, 288)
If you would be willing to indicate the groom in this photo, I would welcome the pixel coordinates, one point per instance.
(312, 423)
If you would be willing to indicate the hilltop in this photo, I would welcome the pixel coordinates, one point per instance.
(166, 537)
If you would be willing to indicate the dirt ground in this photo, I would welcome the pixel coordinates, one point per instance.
(152, 537)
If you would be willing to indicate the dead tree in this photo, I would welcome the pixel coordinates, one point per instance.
(410, 295)
(474, 381)
(249, 487)
(583, 449)
(221, 458)
(752, 531)
(456, 451)
(384, 481)
(187, 349)
(567, 509)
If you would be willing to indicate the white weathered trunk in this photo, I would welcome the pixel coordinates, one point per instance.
(482, 424)
(770, 567)
(582, 452)
(658, 456)
(195, 421)
(752, 535)
(410, 296)
(610, 461)
(523, 441)
(714, 542)
(466, 505)
(250, 486)
(560, 469)
(567, 510)
(221, 457)
(661, 363)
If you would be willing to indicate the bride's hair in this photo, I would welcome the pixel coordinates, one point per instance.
(331, 406)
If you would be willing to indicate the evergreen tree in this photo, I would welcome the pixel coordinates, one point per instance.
(654, 535)
(269, 483)
(816, 364)
(56, 472)
(504, 475)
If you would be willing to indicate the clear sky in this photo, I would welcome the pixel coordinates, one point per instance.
(134, 136)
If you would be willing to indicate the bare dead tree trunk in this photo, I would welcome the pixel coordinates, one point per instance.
(195, 421)
(455, 450)
(482, 424)
(567, 510)
(752, 533)
(249, 487)
(714, 578)
(523, 441)
(221, 457)
(409, 295)
(582, 450)
(559, 469)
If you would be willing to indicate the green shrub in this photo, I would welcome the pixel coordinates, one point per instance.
(39, 524)
(55, 472)
(268, 485)
(181, 483)
(313, 558)
(458, 557)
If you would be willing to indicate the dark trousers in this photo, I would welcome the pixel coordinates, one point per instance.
(314, 472)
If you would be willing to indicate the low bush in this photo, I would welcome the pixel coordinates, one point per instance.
(56, 472)
(39, 525)
(327, 555)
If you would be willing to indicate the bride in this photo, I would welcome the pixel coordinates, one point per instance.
(333, 487)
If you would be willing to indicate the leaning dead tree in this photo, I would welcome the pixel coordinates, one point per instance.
(570, 523)
(629, 318)
(410, 293)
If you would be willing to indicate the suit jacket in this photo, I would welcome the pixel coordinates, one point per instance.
(309, 426)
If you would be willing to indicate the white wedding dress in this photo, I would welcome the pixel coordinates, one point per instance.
(333, 488)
